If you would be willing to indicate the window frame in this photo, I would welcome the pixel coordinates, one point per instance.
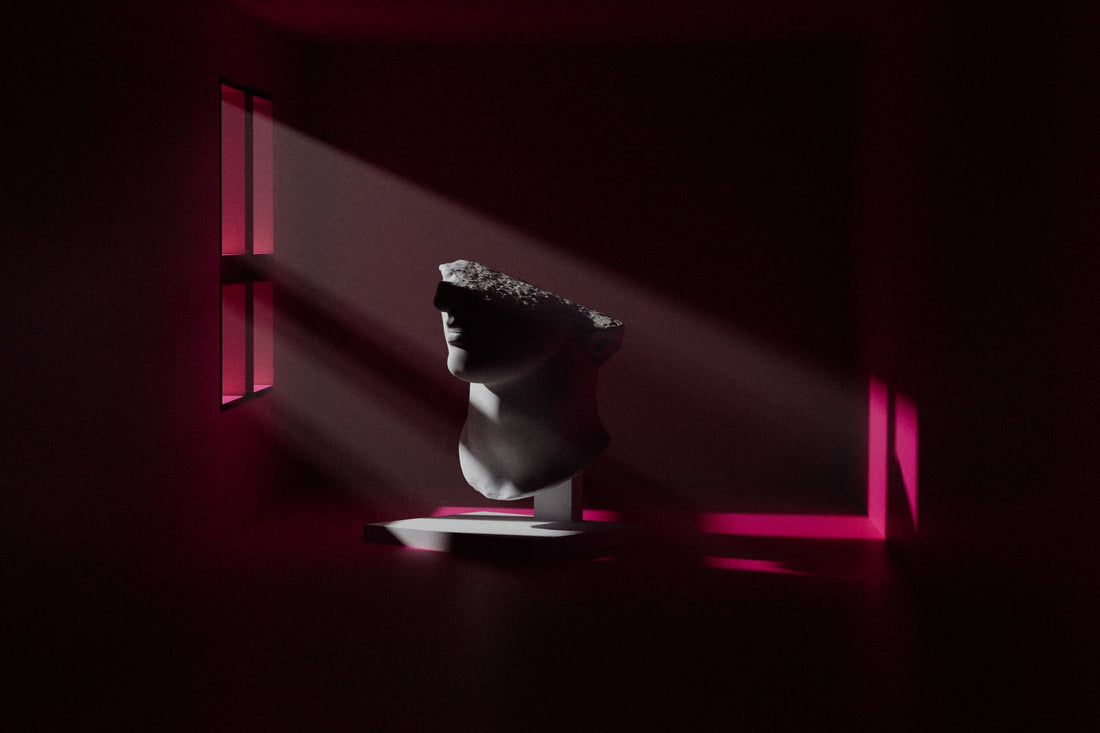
(251, 269)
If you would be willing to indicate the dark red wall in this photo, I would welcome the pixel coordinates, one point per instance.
(965, 165)
(117, 454)
(960, 270)
(718, 173)
(971, 175)
(977, 260)
(934, 238)
(703, 194)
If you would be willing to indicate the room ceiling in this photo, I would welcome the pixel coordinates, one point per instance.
(557, 20)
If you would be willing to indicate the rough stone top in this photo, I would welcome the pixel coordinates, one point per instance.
(494, 285)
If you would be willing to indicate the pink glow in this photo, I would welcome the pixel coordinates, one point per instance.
(791, 525)
(878, 425)
(233, 185)
(755, 566)
(905, 448)
(872, 526)
(233, 341)
(589, 515)
(600, 515)
(263, 177)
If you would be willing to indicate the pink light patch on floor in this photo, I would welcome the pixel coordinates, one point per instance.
(745, 564)
(878, 439)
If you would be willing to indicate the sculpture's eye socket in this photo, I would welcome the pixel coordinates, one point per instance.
(453, 299)
(469, 311)
(493, 340)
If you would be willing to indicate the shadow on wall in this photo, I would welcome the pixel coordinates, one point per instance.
(703, 416)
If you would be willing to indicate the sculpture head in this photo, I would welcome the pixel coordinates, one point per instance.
(499, 328)
(531, 359)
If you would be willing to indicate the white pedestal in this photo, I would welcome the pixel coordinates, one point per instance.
(563, 502)
(518, 536)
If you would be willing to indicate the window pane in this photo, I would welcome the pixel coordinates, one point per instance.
(263, 186)
(233, 170)
(234, 339)
(263, 336)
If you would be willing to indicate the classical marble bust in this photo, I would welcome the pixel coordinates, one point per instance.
(531, 358)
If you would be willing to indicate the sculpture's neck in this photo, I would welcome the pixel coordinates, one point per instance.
(533, 432)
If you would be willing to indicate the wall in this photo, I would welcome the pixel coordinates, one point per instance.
(975, 178)
(966, 260)
(975, 265)
(122, 460)
(702, 194)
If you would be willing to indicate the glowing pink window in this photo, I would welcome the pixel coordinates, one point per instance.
(247, 245)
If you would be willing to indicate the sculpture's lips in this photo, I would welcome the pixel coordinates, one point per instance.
(455, 336)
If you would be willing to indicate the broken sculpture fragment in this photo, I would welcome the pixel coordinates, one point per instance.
(532, 359)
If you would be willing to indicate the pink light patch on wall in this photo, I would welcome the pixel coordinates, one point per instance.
(233, 194)
(873, 525)
(878, 444)
(905, 449)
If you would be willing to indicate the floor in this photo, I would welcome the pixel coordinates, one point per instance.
(297, 624)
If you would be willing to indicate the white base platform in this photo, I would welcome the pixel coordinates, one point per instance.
(496, 534)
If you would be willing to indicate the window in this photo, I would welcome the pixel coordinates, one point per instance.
(247, 245)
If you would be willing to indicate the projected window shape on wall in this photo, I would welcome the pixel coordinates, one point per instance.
(247, 245)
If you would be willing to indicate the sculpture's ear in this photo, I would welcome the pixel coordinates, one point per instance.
(601, 343)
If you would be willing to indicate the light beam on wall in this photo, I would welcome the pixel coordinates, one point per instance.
(360, 242)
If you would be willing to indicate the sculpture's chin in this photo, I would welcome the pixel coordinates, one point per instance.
(460, 365)
(456, 362)
(486, 482)
(506, 492)
(482, 368)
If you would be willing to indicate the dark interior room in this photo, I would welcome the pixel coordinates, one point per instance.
(851, 417)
